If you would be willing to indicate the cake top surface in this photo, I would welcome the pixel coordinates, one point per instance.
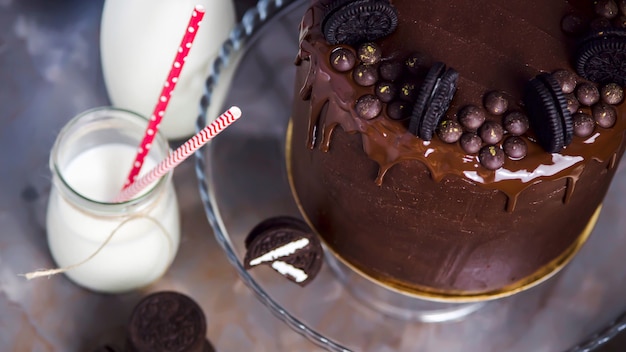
(503, 94)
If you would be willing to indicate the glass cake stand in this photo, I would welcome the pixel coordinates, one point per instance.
(242, 181)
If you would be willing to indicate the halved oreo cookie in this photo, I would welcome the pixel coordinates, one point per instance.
(601, 57)
(288, 246)
(546, 107)
(355, 22)
(433, 100)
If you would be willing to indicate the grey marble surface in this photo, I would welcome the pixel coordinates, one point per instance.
(50, 71)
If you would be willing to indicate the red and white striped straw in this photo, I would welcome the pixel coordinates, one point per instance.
(164, 98)
(182, 153)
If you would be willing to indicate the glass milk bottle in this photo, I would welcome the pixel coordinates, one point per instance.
(109, 247)
(138, 43)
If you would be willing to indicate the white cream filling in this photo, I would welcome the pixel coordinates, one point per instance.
(281, 251)
(288, 269)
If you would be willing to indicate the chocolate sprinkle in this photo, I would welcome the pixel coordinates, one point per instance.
(365, 75)
(369, 53)
(584, 124)
(398, 110)
(386, 91)
(390, 70)
(566, 79)
(491, 157)
(516, 123)
(415, 63)
(449, 131)
(496, 103)
(471, 142)
(515, 147)
(612, 94)
(342, 59)
(471, 117)
(491, 132)
(587, 94)
(355, 22)
(368, 107)
(604, 114)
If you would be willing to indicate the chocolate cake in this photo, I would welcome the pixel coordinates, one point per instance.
(457, 150)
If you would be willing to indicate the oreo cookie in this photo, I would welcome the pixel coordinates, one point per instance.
(167, 321)
(288, 246)
(548, 113)
(356, 22)
(601, 56)
(433, 100)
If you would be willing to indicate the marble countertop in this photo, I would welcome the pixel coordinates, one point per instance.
(49, 72)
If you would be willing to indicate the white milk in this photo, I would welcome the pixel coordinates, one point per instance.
(139, 252)
(138, 43)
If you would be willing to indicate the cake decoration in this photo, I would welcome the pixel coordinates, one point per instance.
(549, 116)
(369, 53)
(354, 22)
(288, 246)
(365, 75)
(492, 211)
(342, 59)
(368, 107)
(601, 58)
(433, 100)
(491, 157)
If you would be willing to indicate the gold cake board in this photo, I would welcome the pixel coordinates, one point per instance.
(454, 296)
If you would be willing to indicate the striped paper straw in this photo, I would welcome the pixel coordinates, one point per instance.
(164, 98)
(182, 153)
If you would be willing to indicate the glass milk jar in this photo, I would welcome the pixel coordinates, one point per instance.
(109, 247)
(138, 42)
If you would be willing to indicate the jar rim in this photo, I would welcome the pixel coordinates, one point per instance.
(72, 126)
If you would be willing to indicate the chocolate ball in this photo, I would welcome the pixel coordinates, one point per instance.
(342, 59)
(369, 53)
(415, 62)
(606, 8)
(365, 75)
(398, 110)
(496, 103)
(566, 79)
(471, 117)
(584, 124)
(572, 24)
(587, 94)
(515, 147)
(572, 103)
(408, 91)
(386, 91)
(612, 93)
(390, 70)
(449, 131)
(471, 142)
(491, 132)
(368, 107)
(516, 123)
(604, 114)
(491, 157)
